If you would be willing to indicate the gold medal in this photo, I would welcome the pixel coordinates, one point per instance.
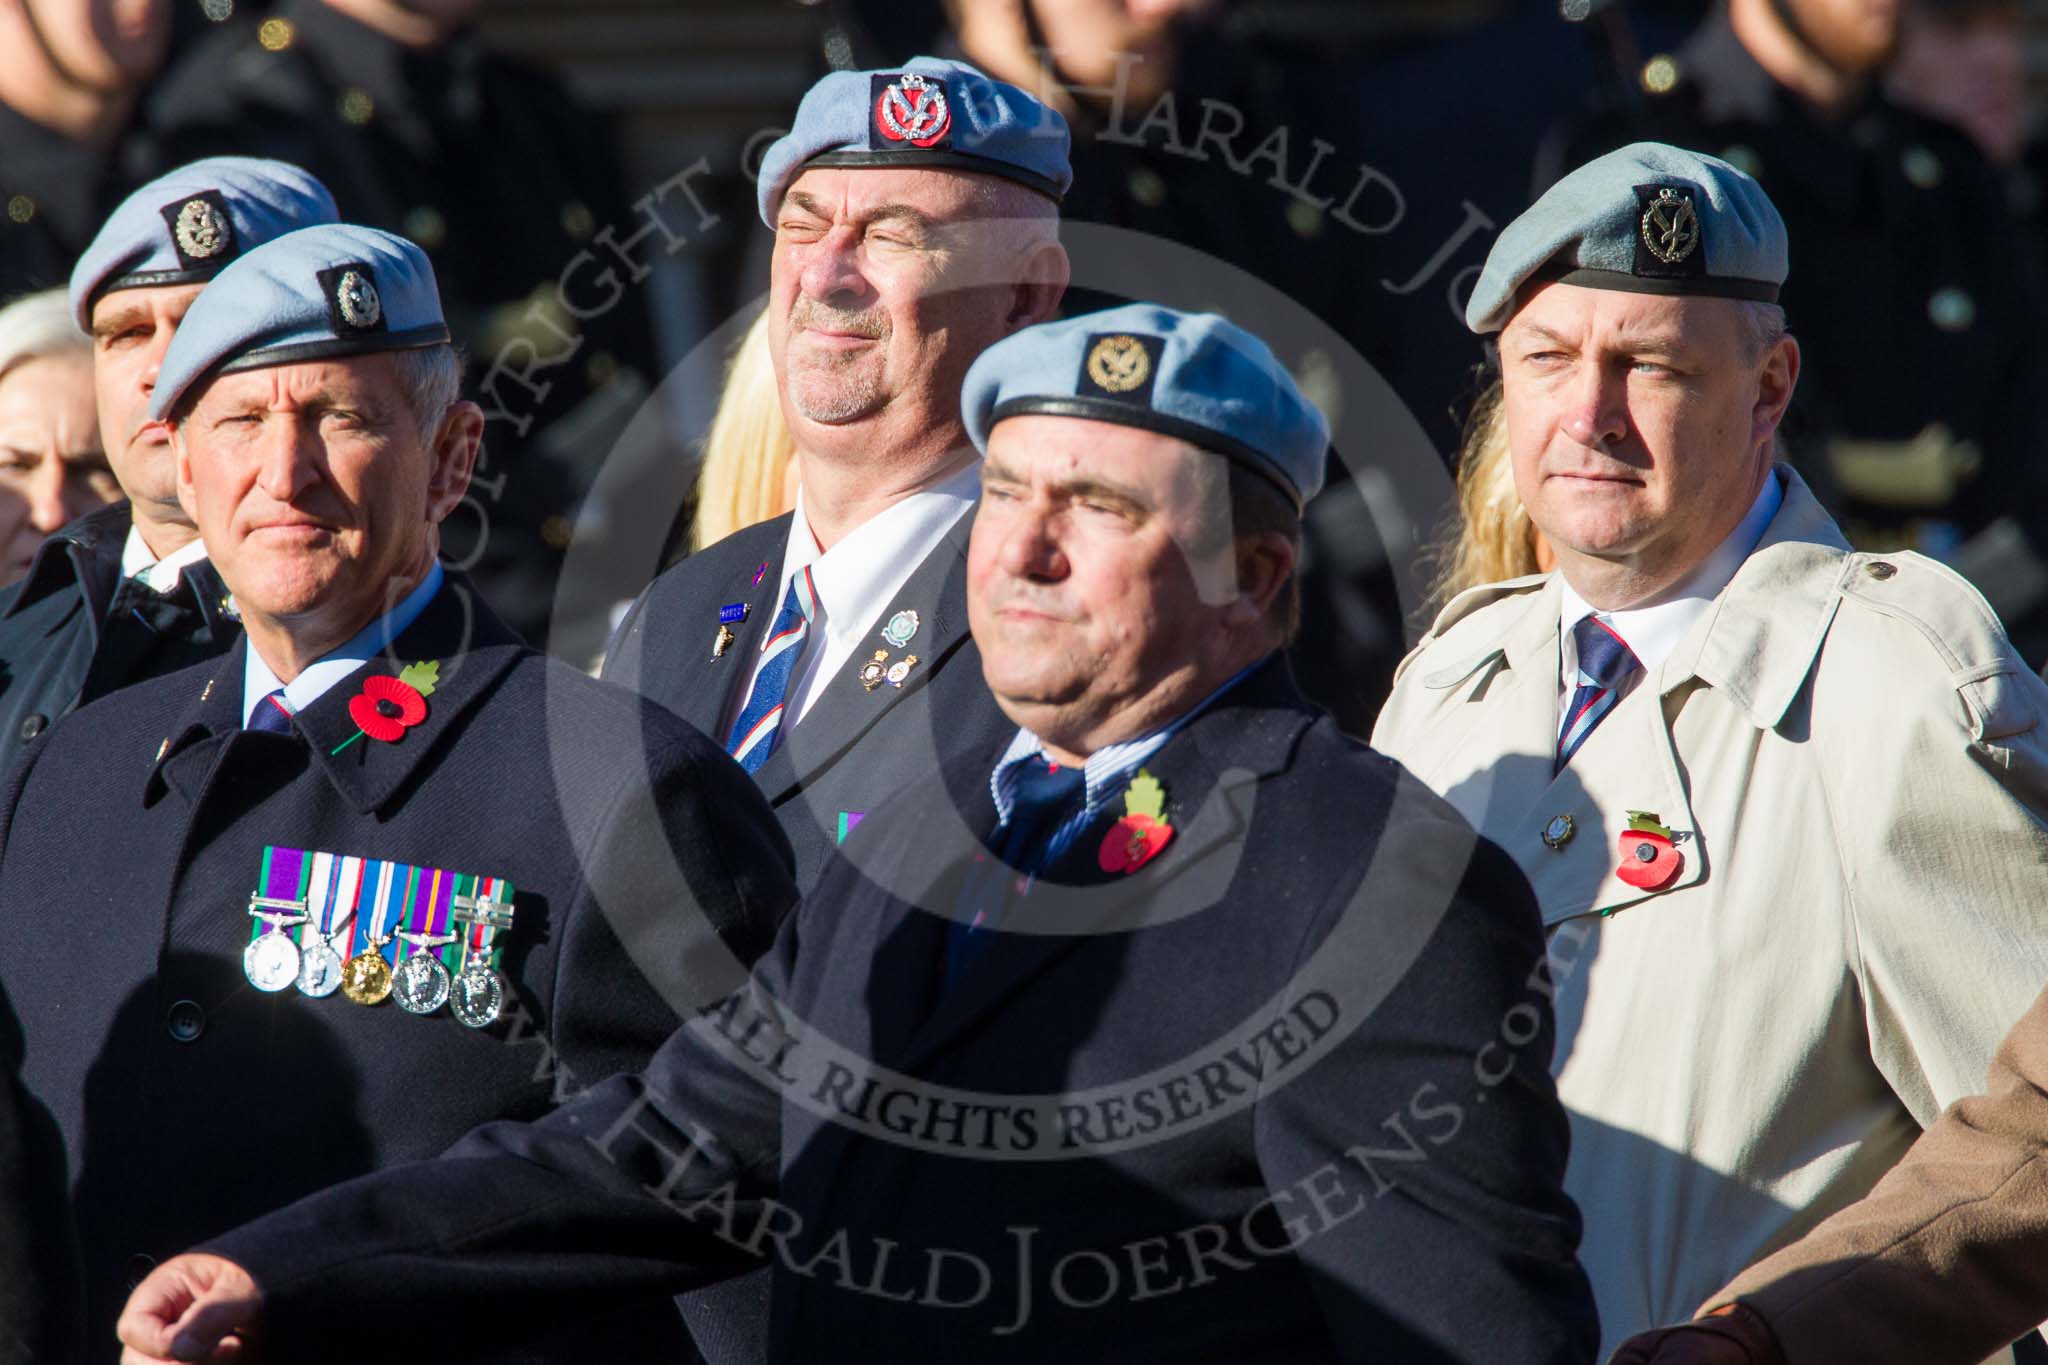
(366, 979)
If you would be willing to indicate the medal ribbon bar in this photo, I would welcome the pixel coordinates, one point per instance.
(483, 906)
(383, 890)
(280, 888)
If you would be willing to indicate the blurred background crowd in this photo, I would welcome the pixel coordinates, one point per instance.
(580, 172)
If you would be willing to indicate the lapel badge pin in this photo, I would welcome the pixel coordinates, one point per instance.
(760, 573)
(1649, 859)
(902, 628)
(723, 642)
(1142, 833)
(874, 670)
(1559, 831)
(732, 613)
(900, 670)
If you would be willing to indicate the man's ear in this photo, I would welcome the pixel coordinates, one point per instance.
(1264, 564)
(1041, 284)
(456, 446)
(1776, 380)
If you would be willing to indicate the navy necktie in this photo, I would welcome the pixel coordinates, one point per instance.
(1045, 793)
(271, 718)
(758, 727)
(1606, 663)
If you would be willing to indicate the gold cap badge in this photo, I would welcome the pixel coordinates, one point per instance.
(1119, 363)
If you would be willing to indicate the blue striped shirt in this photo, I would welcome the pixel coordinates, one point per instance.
(1107, 772)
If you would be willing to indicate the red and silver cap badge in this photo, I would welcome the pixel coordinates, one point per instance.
(912, 108)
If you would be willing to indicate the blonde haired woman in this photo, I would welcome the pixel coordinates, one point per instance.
(1495, 538)
(749, 472)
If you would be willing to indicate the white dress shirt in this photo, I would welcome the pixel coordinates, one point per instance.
(858, 579)
(161, 575)
(1652, 632)
(317, 677)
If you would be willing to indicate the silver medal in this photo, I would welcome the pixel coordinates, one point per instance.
(271, 962)
(421, 985)
(478, 995)
(319, 969)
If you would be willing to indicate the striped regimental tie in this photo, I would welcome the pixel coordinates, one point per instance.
(759, 724)
(1606, 663)
(271, 716)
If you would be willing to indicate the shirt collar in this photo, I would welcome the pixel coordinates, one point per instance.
(1653, 632)
(874, 558)
(1106, 769)
(258, 681)
(159, 575)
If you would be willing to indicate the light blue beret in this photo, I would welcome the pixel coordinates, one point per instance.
(185, 226)
(1194, 376)
(1648, 219)
(320, 292)
(928, 113)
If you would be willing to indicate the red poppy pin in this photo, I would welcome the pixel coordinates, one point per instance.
(1143, 832)
(1648, 858)
(387, 707)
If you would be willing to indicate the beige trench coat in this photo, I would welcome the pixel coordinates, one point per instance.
(1854, 762)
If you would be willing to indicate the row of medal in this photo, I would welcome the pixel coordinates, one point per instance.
(325, 922)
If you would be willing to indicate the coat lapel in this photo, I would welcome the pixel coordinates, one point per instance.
(1627, 764)
(182, 764)
(1210, 773)
(1503, 701)
(846, 709)
(705, 694)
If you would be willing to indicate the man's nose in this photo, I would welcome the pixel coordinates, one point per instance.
(831, 272)
(291, 455)
(1598, 416)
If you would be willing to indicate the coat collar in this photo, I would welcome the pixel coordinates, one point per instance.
(1210, 772)
(1760, 639)
(457, 630)
(847, 709)
(85, 553)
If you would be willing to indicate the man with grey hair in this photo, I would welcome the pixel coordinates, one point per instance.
(916, 222)
(1784, 805)
(377, 879)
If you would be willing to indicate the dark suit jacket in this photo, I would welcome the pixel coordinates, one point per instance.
(1280, 1095)
(188, 1100)
(58, 647)
(855, 746)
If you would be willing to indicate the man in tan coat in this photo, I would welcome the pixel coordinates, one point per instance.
(1781, 802)
(1944, 1261)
